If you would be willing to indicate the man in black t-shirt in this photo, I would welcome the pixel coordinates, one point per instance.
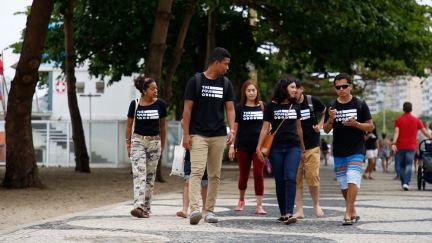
(309, 167)
(206, 96)
(349, 117)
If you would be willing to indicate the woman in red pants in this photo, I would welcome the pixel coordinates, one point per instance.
(248, 123)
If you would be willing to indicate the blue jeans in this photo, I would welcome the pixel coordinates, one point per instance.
(405, 159)
(285, 161)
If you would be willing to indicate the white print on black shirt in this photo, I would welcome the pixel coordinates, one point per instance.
(147, 115)
(252, 115)
(305, 114)
(343, 115)
(212, 91)
(282, 114)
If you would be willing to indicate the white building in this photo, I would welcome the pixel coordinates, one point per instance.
(103, 110)
(390, 95)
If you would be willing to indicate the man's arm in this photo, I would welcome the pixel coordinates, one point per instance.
(395, 138)
(328, 126)
(426, 133)
(320, 124)
(187, 112)
(230, 113)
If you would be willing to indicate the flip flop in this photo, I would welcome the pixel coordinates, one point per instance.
(347, 222)
(181, 214)
(355, 219)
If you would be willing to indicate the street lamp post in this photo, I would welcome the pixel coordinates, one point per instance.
(90, 95)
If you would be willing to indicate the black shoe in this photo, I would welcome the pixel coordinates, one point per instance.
(282, 219)
(290, 220)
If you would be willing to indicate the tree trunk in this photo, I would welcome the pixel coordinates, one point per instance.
(157, 50)
(21, 167)
(158, 40)
(81, 155)
(211, 35)
(178, 50)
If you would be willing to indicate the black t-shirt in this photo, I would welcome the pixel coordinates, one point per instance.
(147, 117)
(349, 140)
(207, 117)
(310, 137)
(287, 133)
(371, 142)
(250, 120)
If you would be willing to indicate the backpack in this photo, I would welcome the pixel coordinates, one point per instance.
(198, 85)
(311, 108)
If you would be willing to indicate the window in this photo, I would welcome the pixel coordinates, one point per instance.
(80, 87)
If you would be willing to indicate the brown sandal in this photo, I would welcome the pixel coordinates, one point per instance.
(139, 213)
(181, 214)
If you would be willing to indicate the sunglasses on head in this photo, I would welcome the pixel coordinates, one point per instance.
(341, 87)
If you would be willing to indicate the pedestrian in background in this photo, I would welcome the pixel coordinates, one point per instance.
(371, 139)
(405, 143)
(145, 139)
(384, 151)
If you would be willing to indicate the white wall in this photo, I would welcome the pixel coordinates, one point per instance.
(113, 104)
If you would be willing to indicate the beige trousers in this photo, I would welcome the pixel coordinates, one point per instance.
(205, 151)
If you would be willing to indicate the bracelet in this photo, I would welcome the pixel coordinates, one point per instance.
(232, 145)
(232, 131)
(127, 139)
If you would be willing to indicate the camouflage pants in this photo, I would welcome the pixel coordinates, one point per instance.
(145, 154)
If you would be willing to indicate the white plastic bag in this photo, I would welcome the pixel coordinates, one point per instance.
(178, 160)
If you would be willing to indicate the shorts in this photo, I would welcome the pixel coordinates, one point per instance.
(309, 168)
(349, 169)
(371, 153)
(187, 171)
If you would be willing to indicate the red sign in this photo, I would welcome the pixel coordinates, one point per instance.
(60, 87)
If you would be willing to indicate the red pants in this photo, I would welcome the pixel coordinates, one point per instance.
(244, 160)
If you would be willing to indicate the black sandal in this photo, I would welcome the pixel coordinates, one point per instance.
(355, 219)
(282, 219)
(347, 222)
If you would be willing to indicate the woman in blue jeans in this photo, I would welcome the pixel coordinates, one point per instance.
(288, 147)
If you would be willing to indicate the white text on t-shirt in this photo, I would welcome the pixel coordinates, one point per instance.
(147, 115)
(343, 115)
(252, 115)
(212, 91)
(282, 114)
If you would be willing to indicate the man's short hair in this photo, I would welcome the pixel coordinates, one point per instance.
(298, 83)
(341, 76)
(407, 107)
(218, 54)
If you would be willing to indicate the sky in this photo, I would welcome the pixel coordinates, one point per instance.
(10, 30)
(11, 26)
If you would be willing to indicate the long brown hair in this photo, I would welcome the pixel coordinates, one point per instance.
(243, 97)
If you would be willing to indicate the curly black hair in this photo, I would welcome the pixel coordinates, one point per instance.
(280, 92)
(142, 83)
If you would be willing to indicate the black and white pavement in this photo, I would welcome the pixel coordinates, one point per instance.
(388, 214)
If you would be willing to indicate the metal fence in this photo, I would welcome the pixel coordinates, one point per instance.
(105, 141)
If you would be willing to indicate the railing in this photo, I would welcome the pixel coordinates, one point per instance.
(53, 144)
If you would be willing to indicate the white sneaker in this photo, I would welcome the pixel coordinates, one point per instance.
(405, 187)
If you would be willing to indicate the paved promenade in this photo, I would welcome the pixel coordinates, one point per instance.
(388, 214)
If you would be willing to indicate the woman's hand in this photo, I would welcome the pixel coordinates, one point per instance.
(231, 153)
(128, 146)
(259, 154)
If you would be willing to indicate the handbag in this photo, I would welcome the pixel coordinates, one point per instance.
(178, 160)
(268, 139)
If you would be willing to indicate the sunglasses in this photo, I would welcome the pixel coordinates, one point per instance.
(341, 87)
